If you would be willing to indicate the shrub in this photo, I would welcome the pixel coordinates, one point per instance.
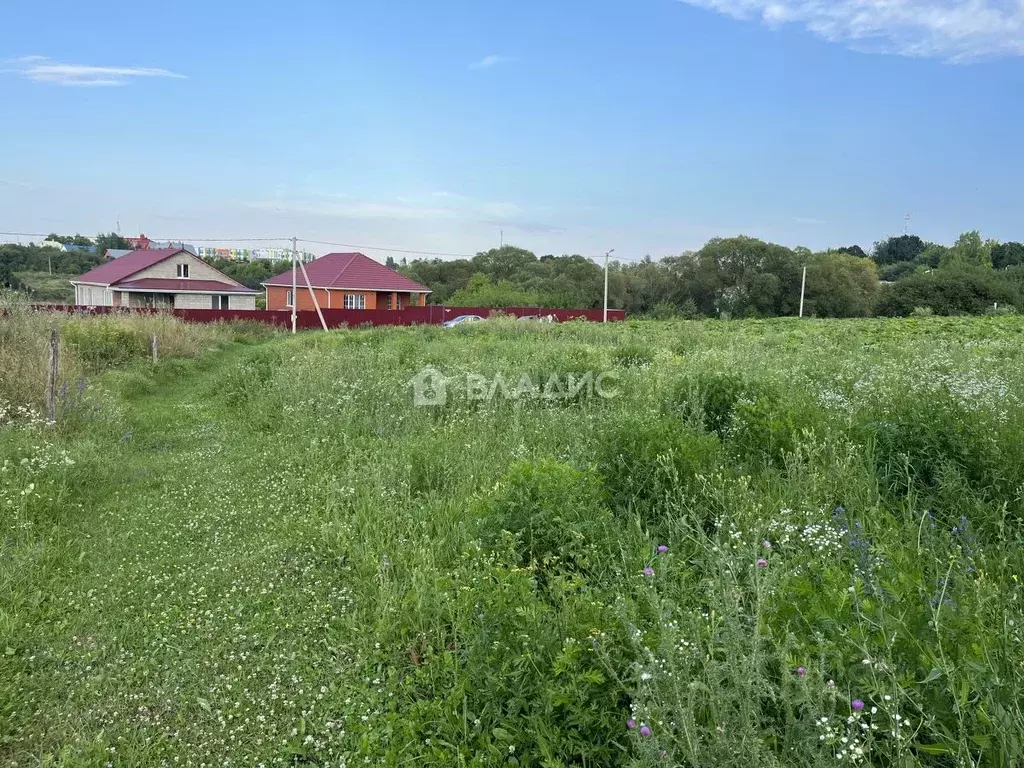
(646, 465)
(947, 291)
(923, 444)
(709, 399)
(633, 356)
(664, 310)
(103, 343)
(546, 513)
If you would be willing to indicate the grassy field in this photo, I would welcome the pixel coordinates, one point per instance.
(44, 287)
(779, 543)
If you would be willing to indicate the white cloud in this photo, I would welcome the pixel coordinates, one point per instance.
(956, 30)
(489, 61)
(41, 69)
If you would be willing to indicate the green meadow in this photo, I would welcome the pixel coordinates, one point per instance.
(762, 543)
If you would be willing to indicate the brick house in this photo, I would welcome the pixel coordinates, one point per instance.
(169, 278)
(346, 281)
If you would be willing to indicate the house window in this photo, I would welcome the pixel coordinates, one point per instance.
(355, 301)
(389, 304)
(287, 298)
(220, 302)
(182, 270)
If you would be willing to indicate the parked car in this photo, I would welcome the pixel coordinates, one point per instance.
(460, 320)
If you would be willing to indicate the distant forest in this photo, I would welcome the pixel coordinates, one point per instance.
(728, 277)
(747, 277)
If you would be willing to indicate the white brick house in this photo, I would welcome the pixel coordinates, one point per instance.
(170, 278)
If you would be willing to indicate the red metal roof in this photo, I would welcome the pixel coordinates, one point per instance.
(353, 271)
(176, 286)
(127, 265)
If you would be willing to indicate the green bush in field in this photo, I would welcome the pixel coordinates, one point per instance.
(921, 444)
(710, 399)
(547, 514)
(754, 418)
(104, 344)
(648, 465)
(633, 355)
(516, 682)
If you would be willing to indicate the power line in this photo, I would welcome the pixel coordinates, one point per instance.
(384, 248)
(174, 239)
(218, 239)
(308, 242)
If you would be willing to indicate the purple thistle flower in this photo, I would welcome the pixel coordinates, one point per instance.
(800, 671)
(662, 549)
(645, 731)
(857, 704)
(648, 571)
(762, 563)
(631, 724)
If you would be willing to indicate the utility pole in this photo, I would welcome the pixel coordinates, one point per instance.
(501, 238)
(906, 223)
(606, 255)
(803, 287)
(295, 298)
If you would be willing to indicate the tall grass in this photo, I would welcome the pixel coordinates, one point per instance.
(781, 544)
(91, 344)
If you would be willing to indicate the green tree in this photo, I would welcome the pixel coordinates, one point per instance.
(893, 272)
(75, 239)
(853, 250)
(111, 240)
(896, 249)
(841, 285)
(7, 278)
(1007, 255)
(505, 263)
(249, 273)
(751, 277)
(931, 257)
(481, 291)
(956, 290)
(969, 251)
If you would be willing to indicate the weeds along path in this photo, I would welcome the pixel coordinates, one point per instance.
(195, 619)
(779, 543)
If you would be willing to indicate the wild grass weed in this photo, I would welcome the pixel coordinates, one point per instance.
(89, 345)
(783, 544)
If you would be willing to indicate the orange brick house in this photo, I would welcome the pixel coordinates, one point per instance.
(346, 281)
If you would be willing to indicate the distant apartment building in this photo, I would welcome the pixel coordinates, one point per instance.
(143, 243)
(251, 254)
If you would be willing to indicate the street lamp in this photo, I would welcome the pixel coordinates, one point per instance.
(609, 253)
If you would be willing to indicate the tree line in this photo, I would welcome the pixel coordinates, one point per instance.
(746, 277)
(728, 277)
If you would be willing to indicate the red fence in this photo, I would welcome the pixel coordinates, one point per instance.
(337, 318)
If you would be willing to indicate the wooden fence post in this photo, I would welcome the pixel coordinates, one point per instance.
(51, 380)
(154, 349)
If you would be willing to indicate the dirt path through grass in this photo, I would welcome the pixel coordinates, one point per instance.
(196, 619)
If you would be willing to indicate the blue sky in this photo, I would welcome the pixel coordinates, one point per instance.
(647, 126)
